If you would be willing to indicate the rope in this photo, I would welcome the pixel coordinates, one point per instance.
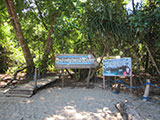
(135, 87)
(154, 85)
(146, 99)
(147, 83)
(153, 101)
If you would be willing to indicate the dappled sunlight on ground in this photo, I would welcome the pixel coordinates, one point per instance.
(70, 112)
(72, 104)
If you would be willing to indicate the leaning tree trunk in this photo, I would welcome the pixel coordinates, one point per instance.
(46, 52)
(17, 27)
(48, 46)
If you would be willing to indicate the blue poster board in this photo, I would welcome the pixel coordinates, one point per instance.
(117, 67)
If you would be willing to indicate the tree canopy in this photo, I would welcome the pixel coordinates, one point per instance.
(100, 27)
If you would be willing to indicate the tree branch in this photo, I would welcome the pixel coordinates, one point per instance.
(152, 59)
(104, 51)
(40, 13)
(14, 76)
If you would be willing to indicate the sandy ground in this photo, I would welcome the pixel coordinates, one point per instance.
(72, 104)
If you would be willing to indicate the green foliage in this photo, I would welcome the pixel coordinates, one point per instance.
(4, 60)
(83, 27)
(147, 29)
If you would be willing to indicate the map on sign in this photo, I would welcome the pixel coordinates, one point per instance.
(117, 67)
(75, 61)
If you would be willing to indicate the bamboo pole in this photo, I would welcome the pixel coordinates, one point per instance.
(153, 60)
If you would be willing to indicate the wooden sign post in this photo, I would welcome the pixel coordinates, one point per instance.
(35, 78)
(76, 61)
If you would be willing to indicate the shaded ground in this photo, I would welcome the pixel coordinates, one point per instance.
(79, 103)
(73, 102)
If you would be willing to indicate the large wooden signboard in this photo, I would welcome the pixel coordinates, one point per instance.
(117, 67)
(75, 61)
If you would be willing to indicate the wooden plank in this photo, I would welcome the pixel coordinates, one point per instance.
(40, 82)
(26, 92)
(28, 89)
(19, 89)
(44, 81)
(18, 95)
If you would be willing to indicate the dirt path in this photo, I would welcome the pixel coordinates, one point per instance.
(72, 104)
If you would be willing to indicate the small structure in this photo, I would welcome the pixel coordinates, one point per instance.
(30, 88)
(75, 61)
(117, 67)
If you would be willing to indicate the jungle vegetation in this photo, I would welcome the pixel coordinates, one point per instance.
(32, 32)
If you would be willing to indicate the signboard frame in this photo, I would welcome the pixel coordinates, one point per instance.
(117, 67)
(75, 61)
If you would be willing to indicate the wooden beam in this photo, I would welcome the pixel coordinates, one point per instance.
(88, 78)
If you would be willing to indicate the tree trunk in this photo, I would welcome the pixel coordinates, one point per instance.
(4, 60)
(48, 45)
(46, 52)
(153, 61)
(17, 27)
(133, 6)
(147, 60)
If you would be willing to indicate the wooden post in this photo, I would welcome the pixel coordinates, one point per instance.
(88, 78)
(146, 92)
(104, 85)
(62, 78)
(39, 72)
(131, 84)
(115, 80)
(60, 74)
(109, 86)
(35, 78)
(118, 88)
